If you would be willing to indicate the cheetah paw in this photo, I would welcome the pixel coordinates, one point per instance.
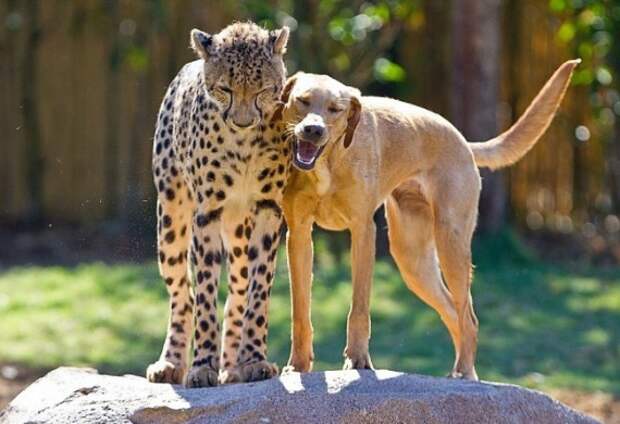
(357, 362)
(254, 371)
(201, 376)
(165, 372)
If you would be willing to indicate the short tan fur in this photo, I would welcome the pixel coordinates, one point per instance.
(354, 153)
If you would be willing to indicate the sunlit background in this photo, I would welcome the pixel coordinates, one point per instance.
(80, 84)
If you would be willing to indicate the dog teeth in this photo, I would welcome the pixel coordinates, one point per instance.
(306, 153)
(304, 161)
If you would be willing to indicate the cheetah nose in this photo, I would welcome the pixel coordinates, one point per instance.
(313, 131)
(247, 124)
(244, 125)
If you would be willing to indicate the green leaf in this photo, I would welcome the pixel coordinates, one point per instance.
(380, 11)
(137, 58)
(557, 5)
(566, 32)
(603, 75)
(583, 77)
(388, 71)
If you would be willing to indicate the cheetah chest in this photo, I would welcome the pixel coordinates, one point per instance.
(224, 165)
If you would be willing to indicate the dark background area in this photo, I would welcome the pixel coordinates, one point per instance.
(82, 81)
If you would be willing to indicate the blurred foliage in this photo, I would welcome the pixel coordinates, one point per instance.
(128, 51)
(592, 29)
(359, 46)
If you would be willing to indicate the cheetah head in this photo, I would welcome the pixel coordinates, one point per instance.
(243, 70)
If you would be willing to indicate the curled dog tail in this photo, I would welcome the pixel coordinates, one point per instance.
(510, 146)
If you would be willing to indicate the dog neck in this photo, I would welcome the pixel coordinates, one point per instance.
(332, 157)
(321, 176)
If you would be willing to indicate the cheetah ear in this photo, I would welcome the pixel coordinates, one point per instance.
(280, 38)
(202, 43)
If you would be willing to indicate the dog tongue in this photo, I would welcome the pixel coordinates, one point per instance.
(306, 152)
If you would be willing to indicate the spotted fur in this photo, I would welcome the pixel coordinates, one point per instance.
(220, 186)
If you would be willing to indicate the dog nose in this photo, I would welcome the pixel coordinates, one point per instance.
(313, 131)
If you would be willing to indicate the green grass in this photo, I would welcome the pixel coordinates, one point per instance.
(540, 325)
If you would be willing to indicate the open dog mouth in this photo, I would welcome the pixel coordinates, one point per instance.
(305, 154)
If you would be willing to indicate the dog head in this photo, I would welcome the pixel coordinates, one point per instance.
(320, 112)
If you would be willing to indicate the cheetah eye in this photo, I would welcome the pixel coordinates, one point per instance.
(224, 89)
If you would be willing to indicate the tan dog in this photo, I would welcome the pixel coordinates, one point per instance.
(353, 153)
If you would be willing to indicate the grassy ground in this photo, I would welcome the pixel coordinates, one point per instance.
(540, 325)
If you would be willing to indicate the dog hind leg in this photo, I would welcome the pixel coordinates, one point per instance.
(455, 211)
(412, 246)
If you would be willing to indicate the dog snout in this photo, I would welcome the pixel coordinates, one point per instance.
(313, 131)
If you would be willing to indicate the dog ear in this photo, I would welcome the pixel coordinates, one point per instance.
(288, 87)
(202, 43)
(286, 92)
(353, 119)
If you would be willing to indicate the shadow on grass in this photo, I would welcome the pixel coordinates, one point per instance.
(539, 325)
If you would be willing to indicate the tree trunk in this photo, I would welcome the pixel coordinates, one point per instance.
(475, 91)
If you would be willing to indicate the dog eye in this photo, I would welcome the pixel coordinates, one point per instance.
(333, 109)
(303, 101)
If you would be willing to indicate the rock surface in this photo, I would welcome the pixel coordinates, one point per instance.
(70, 395)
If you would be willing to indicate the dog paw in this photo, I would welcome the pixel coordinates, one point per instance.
(298, 365)
(357, 362)
(165, 372)
(201, 376)
(288, 369)
(254, 371)
(470, 375)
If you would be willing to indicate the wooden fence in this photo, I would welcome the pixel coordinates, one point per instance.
(80, 84)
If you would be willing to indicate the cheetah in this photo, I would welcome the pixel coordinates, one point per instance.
(220, 164)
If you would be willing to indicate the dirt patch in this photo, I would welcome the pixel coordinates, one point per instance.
(600, 405)
(14, 379)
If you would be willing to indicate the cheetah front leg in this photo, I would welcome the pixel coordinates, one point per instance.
(207, 256)
(174, 213)
(262, 251)
(236, 236)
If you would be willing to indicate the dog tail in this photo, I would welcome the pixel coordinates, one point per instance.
(510, 146)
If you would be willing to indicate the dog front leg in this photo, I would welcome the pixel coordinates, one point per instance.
(300, 257)
(358, 324)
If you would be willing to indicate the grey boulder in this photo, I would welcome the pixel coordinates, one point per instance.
(74, 395)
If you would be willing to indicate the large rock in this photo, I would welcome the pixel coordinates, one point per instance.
(72, 395)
